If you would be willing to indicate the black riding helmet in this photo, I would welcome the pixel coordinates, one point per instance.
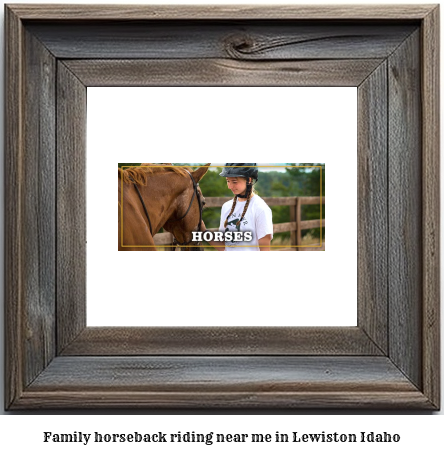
(240, 170)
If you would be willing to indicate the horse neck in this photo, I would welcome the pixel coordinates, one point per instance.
(161, 197)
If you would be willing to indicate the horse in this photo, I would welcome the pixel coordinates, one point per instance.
(168, 193)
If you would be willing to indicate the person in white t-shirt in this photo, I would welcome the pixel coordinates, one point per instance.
(246, 212)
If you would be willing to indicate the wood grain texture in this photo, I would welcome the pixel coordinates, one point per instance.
(221, 72)
(246, 401)
(208, 373)
(13, 207)
(30, 205)
(71, 206)
(38, 222)
(127, 341)
(372, 207)
(408, 377)
(236, 40)
(430, 93)
(233, 382)
(226, 12)
(405, 209)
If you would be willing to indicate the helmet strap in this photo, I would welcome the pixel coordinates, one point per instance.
(248, 190)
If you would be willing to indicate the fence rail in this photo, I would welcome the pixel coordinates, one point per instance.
(295, 226)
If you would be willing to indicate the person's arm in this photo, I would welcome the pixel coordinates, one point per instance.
(218, 245)
(264, 243)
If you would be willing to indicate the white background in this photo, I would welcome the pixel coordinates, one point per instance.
(22, 434)
(190, 124)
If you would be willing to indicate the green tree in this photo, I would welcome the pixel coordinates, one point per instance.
(212, 185)
(309, 180)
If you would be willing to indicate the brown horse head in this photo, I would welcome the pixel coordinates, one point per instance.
(187, 216)
(169, 195)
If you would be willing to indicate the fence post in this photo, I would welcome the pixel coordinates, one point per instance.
(298, 221)
(293, 218)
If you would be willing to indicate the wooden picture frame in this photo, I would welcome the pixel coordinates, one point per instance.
(390, 360)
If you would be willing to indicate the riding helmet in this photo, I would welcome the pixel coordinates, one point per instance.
(240, 170)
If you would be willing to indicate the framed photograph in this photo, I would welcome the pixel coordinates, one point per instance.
(249, 216)
(389, 359)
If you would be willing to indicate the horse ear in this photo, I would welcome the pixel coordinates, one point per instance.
(199, 173)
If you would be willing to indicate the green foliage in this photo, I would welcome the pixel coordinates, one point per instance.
(213, 185)
(308, 178)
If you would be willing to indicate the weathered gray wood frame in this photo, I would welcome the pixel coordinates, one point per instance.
(390, 360)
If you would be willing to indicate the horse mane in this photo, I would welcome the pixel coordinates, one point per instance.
(139, 174)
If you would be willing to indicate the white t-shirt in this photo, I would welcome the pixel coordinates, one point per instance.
(258, 219)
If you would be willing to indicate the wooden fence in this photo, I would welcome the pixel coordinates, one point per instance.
(294, 226)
